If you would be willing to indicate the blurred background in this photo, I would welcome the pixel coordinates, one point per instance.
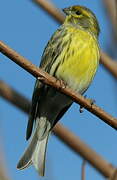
(27, 28)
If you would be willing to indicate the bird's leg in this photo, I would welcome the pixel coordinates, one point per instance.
(62, 83)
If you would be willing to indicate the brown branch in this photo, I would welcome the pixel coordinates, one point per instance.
(14, 97)
(3, 173)
(47, 79)
(51, 9)
(110, 7)
(67, 137)
(110, 64)
(83, 170)
(3, 170)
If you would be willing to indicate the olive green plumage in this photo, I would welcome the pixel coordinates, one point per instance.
(71, 55)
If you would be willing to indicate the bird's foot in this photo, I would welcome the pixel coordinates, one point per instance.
(92, 101)
(40, 78)
(63, 85)
(81, 109)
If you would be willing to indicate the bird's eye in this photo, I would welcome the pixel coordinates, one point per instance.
(78, 12)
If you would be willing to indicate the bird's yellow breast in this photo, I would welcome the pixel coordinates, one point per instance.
(79, 59)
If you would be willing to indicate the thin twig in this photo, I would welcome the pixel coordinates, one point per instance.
(110, 64)
(63, 133)
(47, 79)
(116, 14)
(110, 7)
(67, 137)
(83, 170)
(3, 169)
(51, 9)
(13, 97)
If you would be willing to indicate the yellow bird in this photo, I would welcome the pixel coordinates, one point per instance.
(72, 55)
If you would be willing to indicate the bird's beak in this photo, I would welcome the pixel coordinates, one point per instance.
(66, 11)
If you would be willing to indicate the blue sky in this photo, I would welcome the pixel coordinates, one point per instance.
(27, 28)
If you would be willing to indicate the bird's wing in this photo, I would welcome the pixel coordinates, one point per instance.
(50, 54)
(52, 50)
(35, 98)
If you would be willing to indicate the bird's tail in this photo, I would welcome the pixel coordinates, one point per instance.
(38, 158)
(35, 154)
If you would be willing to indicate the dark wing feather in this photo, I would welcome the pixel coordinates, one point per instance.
(35, 98)
(50, 54)
(52, 50)
(60, 115)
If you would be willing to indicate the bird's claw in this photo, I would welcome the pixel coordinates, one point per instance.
(63, 85)
(40, 78)
(92, 101)
(81, 110)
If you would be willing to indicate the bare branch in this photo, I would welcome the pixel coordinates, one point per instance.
(14, 97)
(83, 169)
(79, 147)
(3, 169)
(110, 64)
(47, 79)
(110, 7)
(67, 137)
(51, 9)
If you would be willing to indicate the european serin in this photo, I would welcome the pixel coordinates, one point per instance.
(71, 55)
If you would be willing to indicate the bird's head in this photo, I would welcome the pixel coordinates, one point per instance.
(80, 16)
